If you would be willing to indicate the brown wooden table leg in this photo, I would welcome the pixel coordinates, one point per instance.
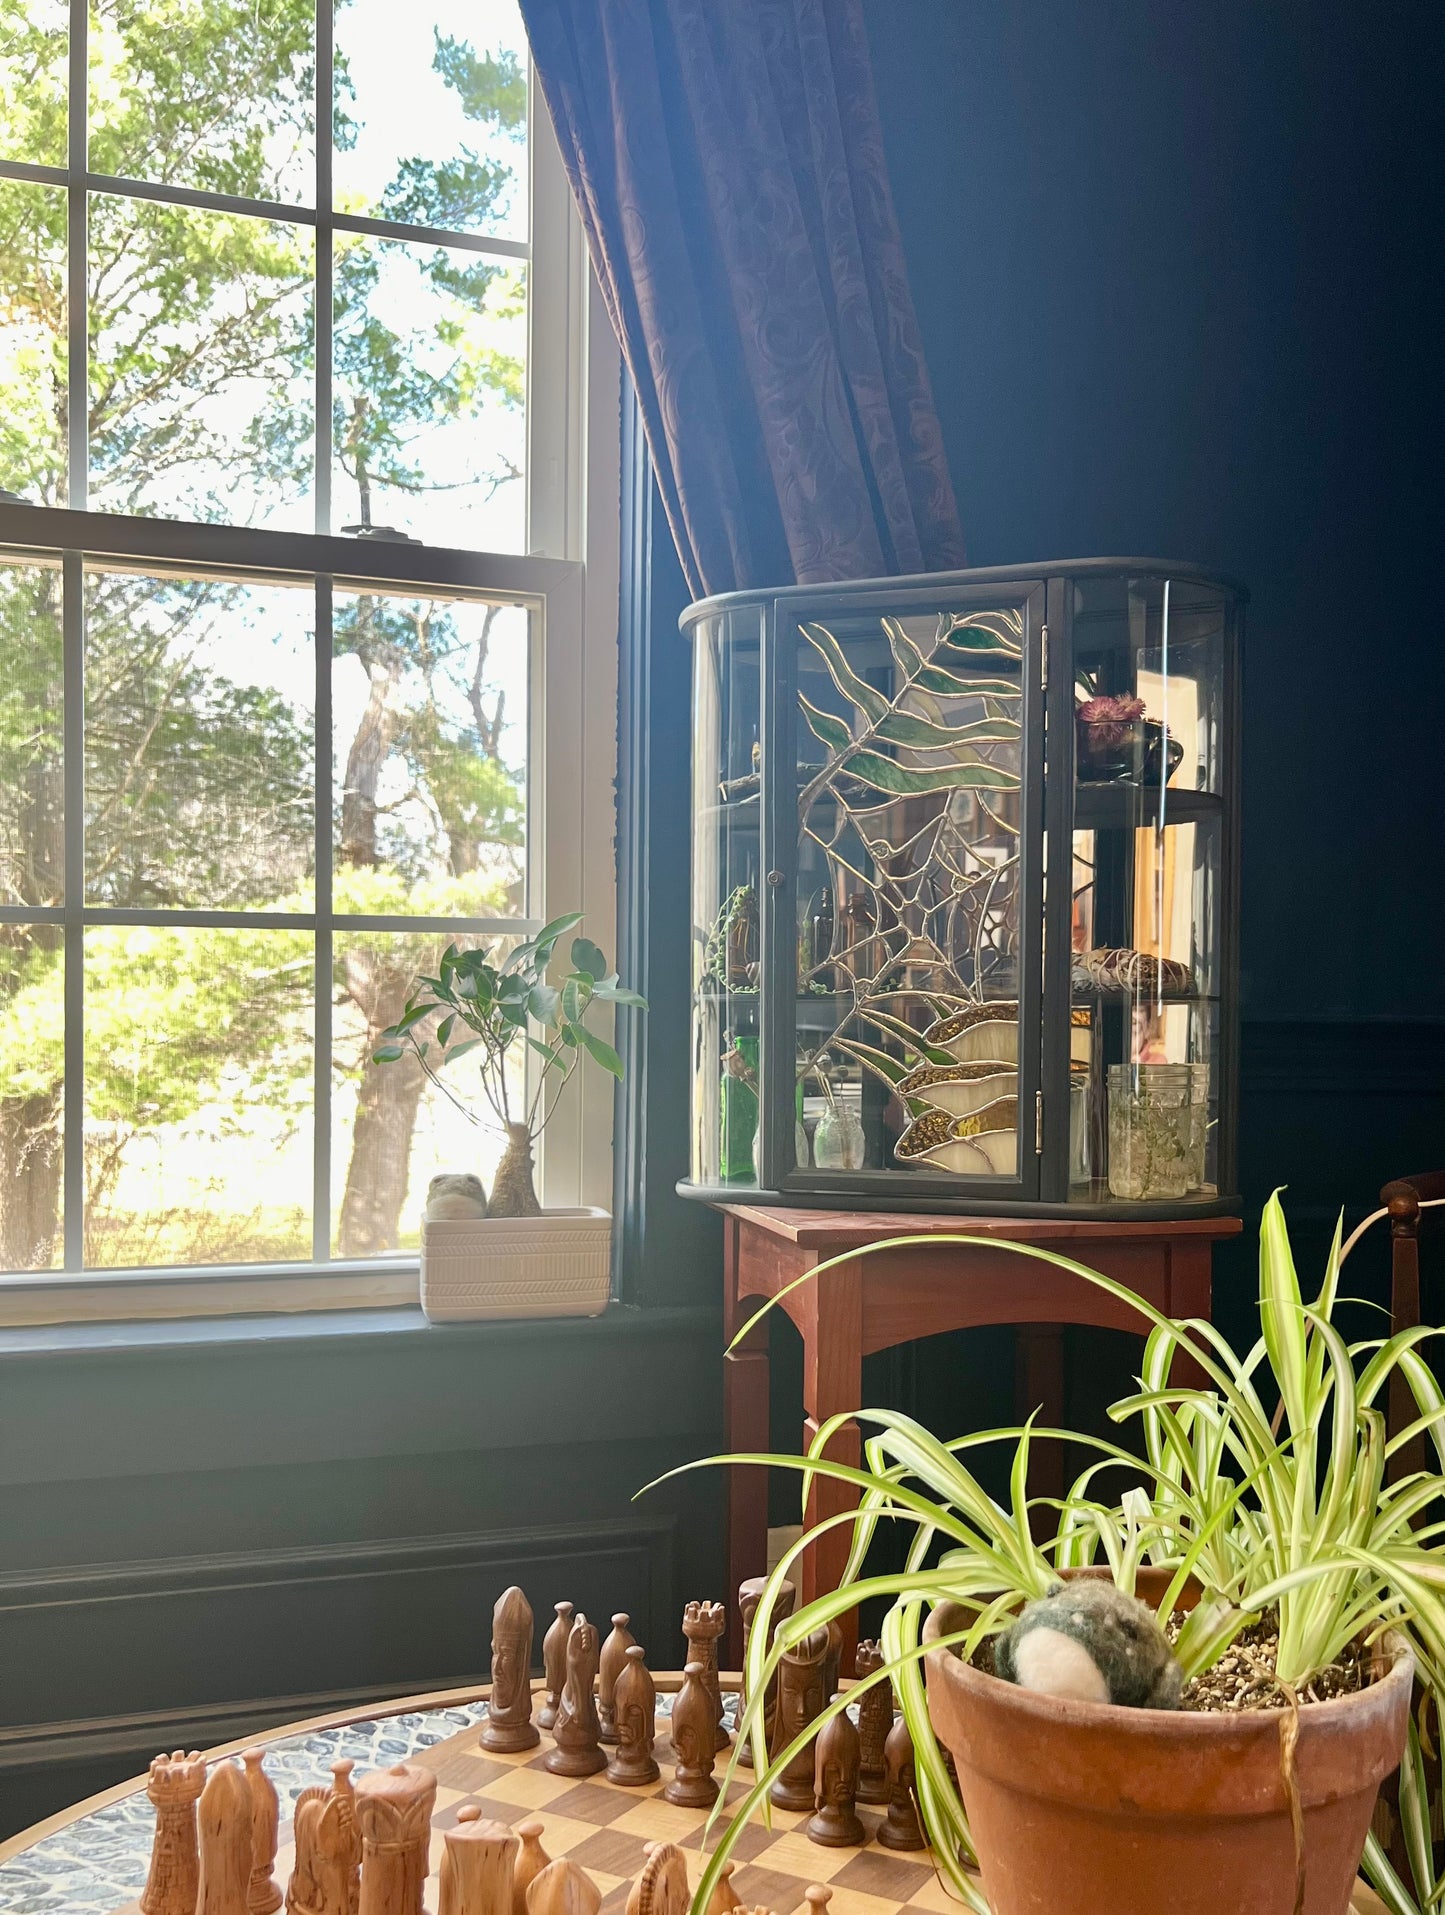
(830, 1316)
(1039, 1385)
(1191, 1294)
(745, 1427)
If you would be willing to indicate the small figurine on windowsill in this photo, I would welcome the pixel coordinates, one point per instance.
(455, 1197)
(1086, 1641)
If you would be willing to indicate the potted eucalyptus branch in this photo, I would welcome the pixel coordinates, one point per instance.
(1293, 1591)
(504, 1254)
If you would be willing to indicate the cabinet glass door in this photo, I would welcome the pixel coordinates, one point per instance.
(906, 922)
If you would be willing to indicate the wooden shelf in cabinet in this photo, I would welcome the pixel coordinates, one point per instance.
(1119, 807)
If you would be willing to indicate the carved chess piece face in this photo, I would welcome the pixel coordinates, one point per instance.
(509, 1725)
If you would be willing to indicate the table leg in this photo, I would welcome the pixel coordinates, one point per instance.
(831, 1320)
(1039, 1385)
(1191, 1294)
(745, 1427)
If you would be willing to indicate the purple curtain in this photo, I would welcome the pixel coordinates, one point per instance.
(728, 161)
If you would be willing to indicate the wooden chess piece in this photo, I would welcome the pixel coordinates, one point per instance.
(750, 1594)
(702, 1624)
(554, 1664)
(263, 1891)
(801, 1700)
(662, 1886)
(326, 1838)
(833, 1661)
(509, 1726)
(446, 1873)
(694, 1743)
(578, 1751)
(835, 1823)
(481, 1857)
(875, 1719)
(223, 1822)
(609, 1668)
(635, 1718)
(530, 1862)
(394, 1809)
(817, 1897)
(724, 1896)
(562, 1889)
(174, 1787)
(899, 1828)
(634, 1894)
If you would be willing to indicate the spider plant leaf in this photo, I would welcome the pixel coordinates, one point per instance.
(1414, 1798)
(1207, 1631)
(826, 726)
(908, 781)
(869, 700)
(1379, 1873)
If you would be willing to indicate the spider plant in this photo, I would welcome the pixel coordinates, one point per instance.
(1263, 1485)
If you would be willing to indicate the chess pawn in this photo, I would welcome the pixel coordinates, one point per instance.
(817, 1897)
(750, 1594)
(446, 1872)
(801, 1700)
(577, 1752)
(835, 1823)
(724, 1897)
(394, 1809)
(562, 1889)
(875, 1719)
(635, 1720)
(263, 1891)
(694, 1743)
(174, 1787)
(223, 1822)
(554, 1664)
(532, 1858)
(509, 1726)
(899, 1828)
(609, 1668)
(702, 1624)
(481, 1856)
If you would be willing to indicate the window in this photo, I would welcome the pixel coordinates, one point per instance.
(296, 380)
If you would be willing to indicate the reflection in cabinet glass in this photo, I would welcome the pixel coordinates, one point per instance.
(893, 1004)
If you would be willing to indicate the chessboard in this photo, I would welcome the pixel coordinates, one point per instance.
(605, 1829)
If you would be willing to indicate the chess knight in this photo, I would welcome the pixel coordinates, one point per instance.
(326, 1878)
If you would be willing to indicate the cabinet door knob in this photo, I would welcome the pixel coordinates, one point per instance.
(775, 878)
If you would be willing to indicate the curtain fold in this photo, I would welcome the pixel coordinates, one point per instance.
(727, 158)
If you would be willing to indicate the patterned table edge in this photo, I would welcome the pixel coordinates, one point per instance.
(98, 1863)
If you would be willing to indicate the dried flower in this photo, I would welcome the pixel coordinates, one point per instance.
(1116, 708)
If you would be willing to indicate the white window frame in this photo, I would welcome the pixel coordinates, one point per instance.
(569, 579)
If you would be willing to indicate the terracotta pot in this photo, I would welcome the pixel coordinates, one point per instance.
(1081, 1808)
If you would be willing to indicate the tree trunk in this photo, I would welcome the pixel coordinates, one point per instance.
(377, 1175)
(514, 1194)
(30, 1163)
(386, 1107)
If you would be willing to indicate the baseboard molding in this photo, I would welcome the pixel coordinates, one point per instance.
(135, 1738)
(113, 1659)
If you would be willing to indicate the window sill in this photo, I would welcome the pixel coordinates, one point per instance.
(183, 1334)
(40, 1298)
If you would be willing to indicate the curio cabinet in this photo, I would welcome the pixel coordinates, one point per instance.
(965, 856)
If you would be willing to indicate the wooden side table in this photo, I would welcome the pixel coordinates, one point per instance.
(895, 1296)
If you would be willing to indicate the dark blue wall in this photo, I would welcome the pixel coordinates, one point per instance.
(1178, 269)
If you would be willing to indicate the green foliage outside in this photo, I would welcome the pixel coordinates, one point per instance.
(200, 774)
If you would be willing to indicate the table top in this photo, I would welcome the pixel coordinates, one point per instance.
(839, 1229)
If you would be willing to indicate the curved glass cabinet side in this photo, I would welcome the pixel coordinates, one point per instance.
(726, 904)
(1147, 969)
(894, 1001)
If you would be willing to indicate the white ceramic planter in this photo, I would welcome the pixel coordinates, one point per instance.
(555, 1265)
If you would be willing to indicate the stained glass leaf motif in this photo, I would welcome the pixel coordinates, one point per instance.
(932, 678)
(913, 781)
(869, 700)
(825, 725)
(903, 728)
(973, 634)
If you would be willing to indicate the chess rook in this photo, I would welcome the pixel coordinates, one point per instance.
(702, 1624)
(174, 1787)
